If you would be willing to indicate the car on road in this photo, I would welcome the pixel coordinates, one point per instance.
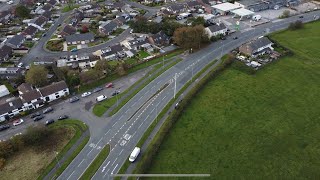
(300, 17)
(74, 99)
(223, 38)
(35, 114)
(38, 118)
(20, 65)
(49, 109)
(135, 153)
(97, 89)
(63, 117)
(85, 94)
(18, 122)
(235, 37)
(50, 121)
(101, 98)
(4, 127)
(74, 50)
(115, 93)
(109, 85)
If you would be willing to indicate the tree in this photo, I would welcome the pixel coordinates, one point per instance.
(121, 69)
(285, 14)
(102, 66)
(22, 11)
(37, 75)
(296, 25)
(196, 21)
(84, 29)
(89, 76)
(190, 37)
(35, 136)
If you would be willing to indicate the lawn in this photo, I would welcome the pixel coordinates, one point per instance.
(68, 8)
(264, 125)
(55, 45)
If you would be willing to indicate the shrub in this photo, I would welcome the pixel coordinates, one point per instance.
(296, 25)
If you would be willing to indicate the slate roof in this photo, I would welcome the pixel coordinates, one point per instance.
(30, 30)
(120, 20)
(47, 7)
(108, 28)
(24, 88)
(69, 30)
(5, 51)
(30, 95)
(16, 40)
(53, 88)
(192, 4)
(177, 7)
(47, 14)
(5, 108)
(80, 37)
(113, 50)
(216, 27)
(52, 2)
(160, 38)
(40, 21)
(258, 43)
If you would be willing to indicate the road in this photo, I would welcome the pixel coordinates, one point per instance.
(125, 128)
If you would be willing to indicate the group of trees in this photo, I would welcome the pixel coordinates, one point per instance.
(22, 11)
(190, 37)
(37, 75)
(296, 25)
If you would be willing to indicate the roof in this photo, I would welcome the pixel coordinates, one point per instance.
(226, 7)
(16, 40)
(193, 3)
(30, 30)
(120, 20)
(30, 95)
(47, 14)
(24, 88)
(112, 50)
(9, 106)
(260, 42)
(52, 2)
(40, 21)
(68, 29)
(80, 37)
(109, 27)
(47, 7)
(177, 7)
(216, 27)
(53, 88)
(242, 12)
(5, 51)
(160, 38)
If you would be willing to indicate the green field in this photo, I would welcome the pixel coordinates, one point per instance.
(261, 126)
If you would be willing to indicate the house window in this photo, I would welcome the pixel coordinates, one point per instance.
(47, 98)
(57, 96)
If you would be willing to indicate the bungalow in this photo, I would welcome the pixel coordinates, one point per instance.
(68, 30)
(74, 61)
(52, 2)
(112, 53)
(38, 23)
(29, 32)
(54, 91)
(256, 47)
(47, 15)
(108, 28)
(16, 41)
(5, 17)
(5, 53)
(47, 7)
(177, 8)
(10, 109)
(79, 38)
(216, 29)
(159, 39)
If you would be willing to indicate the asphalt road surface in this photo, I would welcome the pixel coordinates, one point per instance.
(127, 126)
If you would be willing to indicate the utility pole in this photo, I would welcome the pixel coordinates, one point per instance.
(175, 85)
(55, 153)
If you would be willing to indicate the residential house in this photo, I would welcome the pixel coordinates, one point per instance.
(47, 15)
(216, 29)
(29, 32)
(80, 38)
(16, 41)
(256, 47)
(76, 18)
(112, 53)
(5, 17)
(160, 39)
(10, 109)
(10, 72)
(115, 5)
(24, 88)
(193, 5)
(108, 28)
(52, 2)
(82, 61)
(54, 91)
(177, 8)
(47, 7)
(120, 21)
(5, 53)
(68, 30)
(32, 99)
(38, 23)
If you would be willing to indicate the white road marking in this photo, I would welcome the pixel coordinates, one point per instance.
(127, 110)
(140, 125)
(106, 173)
(71, 175)
(114, 161)
(164, 98)
(120, 152)
(81, 162)
(107, 132)
(121, 116)
(114, 168)
(89, 152)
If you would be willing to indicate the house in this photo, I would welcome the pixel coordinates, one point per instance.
(115, 5)
(80, 38)
(108, 28)
(5, 53)
(76, 18)
(32, 99)
(10, 109)
(119, 20)
(47, 15)
(29, 32)
(10, 72)
(112, 53)
(54, 91)
(216, 29)
(5, 17)
(256, 47)
(68, 30)
(38, 23)
(47, 7)
(193, 5)
(82, 61)
(52, 2)
(177, 8)
(3, 91)
(24, 88)
(160, 39)
(16, 41)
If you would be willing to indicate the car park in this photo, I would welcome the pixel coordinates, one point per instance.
(97, 89)
(63, 117)
(109, 85)
(85, 94)
(35, 115)
(18, 122)
(74, 99)
(38, 118)
(50, 121)
(4, 127)
(49, 109)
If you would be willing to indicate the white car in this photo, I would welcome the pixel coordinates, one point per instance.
(18, 122)
(20, 65)
(85, 94)
(10, 2)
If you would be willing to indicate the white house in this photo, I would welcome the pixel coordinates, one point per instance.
(80, 38)
(38, 23)
(216, 29)
(256, 47)
(54, 91)
(10, 109)
(4, 91)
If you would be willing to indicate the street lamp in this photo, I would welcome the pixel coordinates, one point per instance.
(116, 92)
(56, 153)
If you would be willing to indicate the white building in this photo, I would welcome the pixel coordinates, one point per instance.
(4, 91)
(216, 29)
(54, 91)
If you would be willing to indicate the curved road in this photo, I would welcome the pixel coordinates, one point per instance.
(126, 127)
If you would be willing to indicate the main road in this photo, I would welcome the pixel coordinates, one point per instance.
(127, 126)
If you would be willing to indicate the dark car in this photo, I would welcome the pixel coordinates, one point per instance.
(74, 99)
(38, 118)
(300, 16)
(115, 93)
(35, 114)
(97, 89)
(235, 37)
(43, 35)
(4, 127)
(223, 38)
(49, 109)
(63, 117)
(50, 121)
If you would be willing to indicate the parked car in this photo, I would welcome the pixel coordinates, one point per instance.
(115, 93)
(4, 127)
(35, 114)
(49, 109)
(38, 118)
(101, 98)
(235, 37)
(20, 65)
(109, 85)
(74, 50)
(50, 121)
(18, 122)
(97, 89)
(74, 99)
(63, 117)
(85, 94)
(223, 38)
(43, 35)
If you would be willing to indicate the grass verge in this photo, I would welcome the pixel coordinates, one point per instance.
(94, 166)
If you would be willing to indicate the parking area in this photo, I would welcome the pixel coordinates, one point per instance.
(305, 7)
(272, 14)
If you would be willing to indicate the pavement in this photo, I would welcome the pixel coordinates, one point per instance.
(125, 128)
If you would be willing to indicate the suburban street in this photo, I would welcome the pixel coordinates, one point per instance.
(125, 128)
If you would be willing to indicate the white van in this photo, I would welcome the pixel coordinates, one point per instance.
(256, 17)
(134, 154)
(101, 98)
